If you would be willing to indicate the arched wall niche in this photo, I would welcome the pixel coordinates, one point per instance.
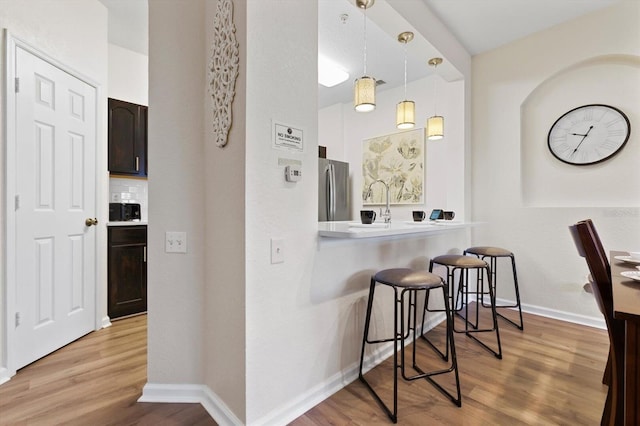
(546, 182)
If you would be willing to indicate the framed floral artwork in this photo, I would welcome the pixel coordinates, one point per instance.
(398, 161)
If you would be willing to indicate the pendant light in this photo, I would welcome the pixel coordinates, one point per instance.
(435, 124)
(364, 89)
(405, 110)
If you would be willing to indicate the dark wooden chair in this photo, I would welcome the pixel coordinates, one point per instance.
(590, 247)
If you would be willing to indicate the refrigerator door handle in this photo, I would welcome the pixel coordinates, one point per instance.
(331, 192)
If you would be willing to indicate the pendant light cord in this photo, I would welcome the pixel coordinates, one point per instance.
(405, 70)
(435, 88)
(364, 14)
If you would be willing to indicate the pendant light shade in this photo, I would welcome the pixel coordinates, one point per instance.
(435, 127)
(435, 124)
(406, 110)
(406, 115)
(364, 88)
(364, 94)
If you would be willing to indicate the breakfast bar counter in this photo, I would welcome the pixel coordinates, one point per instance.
(350, 229)
(346, 256)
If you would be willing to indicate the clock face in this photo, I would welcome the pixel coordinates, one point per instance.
(588, 134)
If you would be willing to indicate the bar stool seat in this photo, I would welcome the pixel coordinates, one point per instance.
(493, 253)
(408, 278)
(407, 282)
(459, 261)
(461, 265)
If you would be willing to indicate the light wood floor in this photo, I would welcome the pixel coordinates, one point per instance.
(550, 375)
(93, 381)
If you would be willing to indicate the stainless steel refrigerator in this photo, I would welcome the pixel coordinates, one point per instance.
(333, 190)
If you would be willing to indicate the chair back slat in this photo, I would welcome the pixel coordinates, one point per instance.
(590, 247)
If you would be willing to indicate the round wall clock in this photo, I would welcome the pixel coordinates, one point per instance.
(588, 134)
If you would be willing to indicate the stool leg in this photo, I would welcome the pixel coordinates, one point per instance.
(520, 324)
(444, 355)
(517, 289)
(367, 321)
(454, 358)
(453, 367)
(494, 278)
(365, 339)
(413, 298)
(463, 292)
(494, 318)
(394, 415)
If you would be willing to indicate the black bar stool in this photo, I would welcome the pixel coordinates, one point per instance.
(493, 253)
(461, 265)
(405, 282)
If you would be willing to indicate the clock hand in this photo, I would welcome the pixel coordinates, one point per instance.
(582, 140)
(577, 134)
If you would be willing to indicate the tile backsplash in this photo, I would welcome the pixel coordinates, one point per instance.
(127, 190)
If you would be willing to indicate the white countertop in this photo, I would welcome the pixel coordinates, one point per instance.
(127, 223)
(353, 229)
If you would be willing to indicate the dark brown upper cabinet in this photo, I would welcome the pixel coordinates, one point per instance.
(127, 138)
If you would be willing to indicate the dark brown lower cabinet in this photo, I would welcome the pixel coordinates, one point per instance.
(127, 276)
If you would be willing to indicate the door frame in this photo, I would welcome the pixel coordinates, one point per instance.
(9, 261)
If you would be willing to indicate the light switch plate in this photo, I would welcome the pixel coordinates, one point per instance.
(175, 242)
(277, 250)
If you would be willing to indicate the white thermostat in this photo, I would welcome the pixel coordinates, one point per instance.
(292, 173)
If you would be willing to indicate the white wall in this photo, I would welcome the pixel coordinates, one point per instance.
(76, 36)
(224, 298)
(331, 131)
(519, 90)
(611, 80)
(281, 64)
(176, 191)
(343, 131)
(128, 75)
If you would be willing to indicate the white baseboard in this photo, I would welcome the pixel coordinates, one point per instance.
(314, 396)
(5, 375)
(189, 393)
(106, 322)
(559, 315)
(218, 410)
(565, 316)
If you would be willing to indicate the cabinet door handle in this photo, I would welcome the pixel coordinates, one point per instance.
(137, 164)
(144, 254)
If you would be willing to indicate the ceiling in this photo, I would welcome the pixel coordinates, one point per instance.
(479, 25)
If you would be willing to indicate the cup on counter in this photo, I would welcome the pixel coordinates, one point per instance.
(418, 215)
(449, 215)
(367, 217)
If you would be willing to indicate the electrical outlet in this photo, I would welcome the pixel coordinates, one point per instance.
(175, 242)
(277, 250)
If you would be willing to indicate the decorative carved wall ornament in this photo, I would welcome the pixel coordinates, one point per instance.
(223, 70)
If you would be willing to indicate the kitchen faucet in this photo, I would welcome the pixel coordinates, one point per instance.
(387, 213)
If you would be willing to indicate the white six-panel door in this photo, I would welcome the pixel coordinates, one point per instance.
(55, 183)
